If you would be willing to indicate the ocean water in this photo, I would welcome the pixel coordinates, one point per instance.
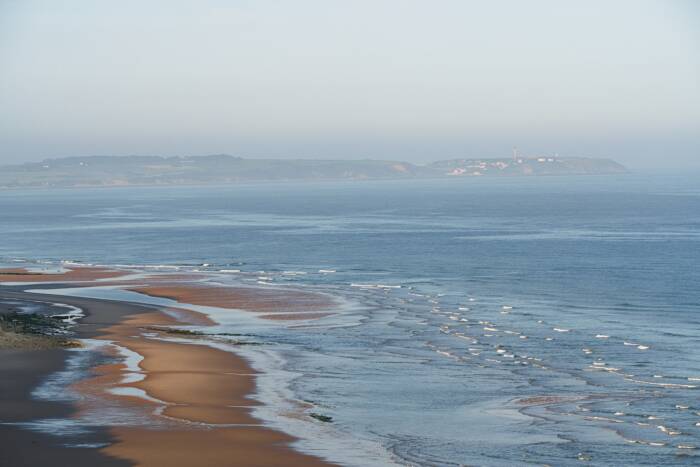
(551, 320)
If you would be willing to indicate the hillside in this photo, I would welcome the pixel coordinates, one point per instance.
(157, 170)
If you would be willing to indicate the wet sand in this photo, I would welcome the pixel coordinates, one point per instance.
(21, 371)
(204, 390)
(73, 274)
(241, 447)
(290, 304)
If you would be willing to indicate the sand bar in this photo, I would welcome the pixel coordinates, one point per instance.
(73, 274)
(206, 391)
(255, 299)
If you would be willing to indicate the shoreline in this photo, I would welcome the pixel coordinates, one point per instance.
(199, 396)
(24, 370)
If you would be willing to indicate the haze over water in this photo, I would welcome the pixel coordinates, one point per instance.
(402, 80)
(491, 322)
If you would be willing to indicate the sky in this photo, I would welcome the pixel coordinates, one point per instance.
(381, 79)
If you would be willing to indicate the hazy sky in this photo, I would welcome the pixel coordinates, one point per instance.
(404, 79)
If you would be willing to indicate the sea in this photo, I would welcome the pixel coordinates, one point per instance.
(483, 321)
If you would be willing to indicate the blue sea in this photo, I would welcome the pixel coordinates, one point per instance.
(496, 322)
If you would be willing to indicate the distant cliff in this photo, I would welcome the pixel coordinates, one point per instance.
(156, 170)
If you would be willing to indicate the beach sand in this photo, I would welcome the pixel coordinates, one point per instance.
(205, 386)
(73, 274)
(22, 370)
(205, 392)
(289, 304)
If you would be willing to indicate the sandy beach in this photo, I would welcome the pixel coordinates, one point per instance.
(197, 397)
(73, 274)
(270, 303)
(24, 370)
